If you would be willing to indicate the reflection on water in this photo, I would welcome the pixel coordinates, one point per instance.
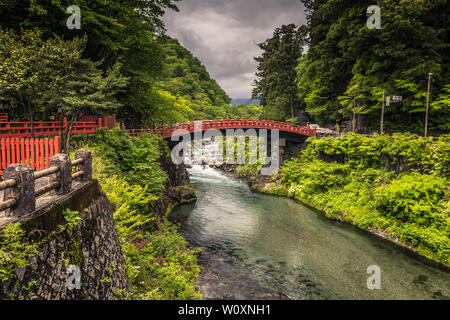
(258, 246)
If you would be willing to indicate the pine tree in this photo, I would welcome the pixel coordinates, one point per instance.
(276, 76)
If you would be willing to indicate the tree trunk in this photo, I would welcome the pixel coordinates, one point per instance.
(292, 104)
(32, 124)
(69, 132)
(61, 127)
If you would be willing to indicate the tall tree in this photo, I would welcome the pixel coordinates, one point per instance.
(31, 67)
(87, 89)
(344, 52)
(275, 84)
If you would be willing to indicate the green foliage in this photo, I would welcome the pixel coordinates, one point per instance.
(134, 159)
(343, 53)
(132, 204)
(30, 67)
(189, 78)
(72, 219)
(186, 91)
(399, 152)
(120, 61)
(168, 270)
(87, 89)
(113, 27)
(159, 263)
(248, 170)
(316, 175)
(15, 249)
(414, 198)
(38, 75)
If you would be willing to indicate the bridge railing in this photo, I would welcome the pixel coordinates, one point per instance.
(167, 130)
(19, 181)
(22, 129)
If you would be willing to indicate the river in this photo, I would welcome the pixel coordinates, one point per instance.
(256, 246)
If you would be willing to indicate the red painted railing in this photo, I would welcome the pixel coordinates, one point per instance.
(166, 130)
(15, 148)
(34, 152)
(105, 122)
(52, 128)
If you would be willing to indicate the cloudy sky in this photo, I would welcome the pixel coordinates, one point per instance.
(223, 34)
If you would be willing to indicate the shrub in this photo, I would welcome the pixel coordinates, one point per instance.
(414, 197)
(14, 250)
(134, 159)
(248, 170)
(316, 175)
(409, 151)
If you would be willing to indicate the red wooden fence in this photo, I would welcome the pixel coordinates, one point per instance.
(16, 147)
(34, 152)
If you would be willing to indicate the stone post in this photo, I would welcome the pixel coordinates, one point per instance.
(86, 166)
(22, 192)
(64, 176)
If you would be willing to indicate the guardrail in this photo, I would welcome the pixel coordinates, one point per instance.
(19, 181)
(166, 130)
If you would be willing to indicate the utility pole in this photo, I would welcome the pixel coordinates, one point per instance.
(382, 114)
(428, 103)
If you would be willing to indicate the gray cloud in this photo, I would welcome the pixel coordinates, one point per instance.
(223, 34)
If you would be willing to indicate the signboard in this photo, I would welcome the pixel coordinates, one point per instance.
(397, 99)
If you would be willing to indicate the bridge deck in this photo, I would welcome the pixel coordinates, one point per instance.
(166, 131)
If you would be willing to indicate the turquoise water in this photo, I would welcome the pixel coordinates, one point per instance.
(265, 247)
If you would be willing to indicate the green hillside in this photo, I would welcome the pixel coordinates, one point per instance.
(189, 90)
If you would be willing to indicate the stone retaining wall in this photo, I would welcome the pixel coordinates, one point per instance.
(92, 245)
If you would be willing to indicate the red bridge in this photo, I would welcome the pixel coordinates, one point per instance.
(166, 130)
